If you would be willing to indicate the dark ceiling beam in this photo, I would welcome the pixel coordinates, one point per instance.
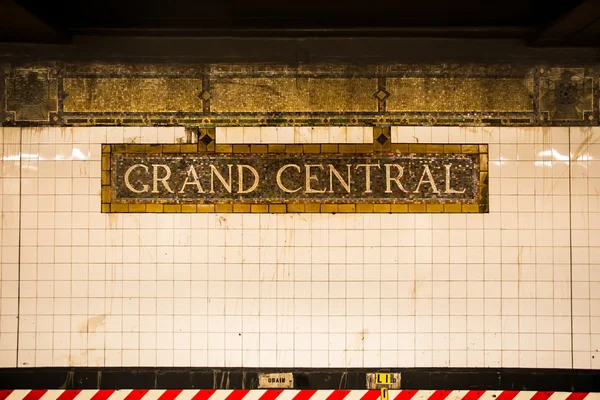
(19, 23)
(568, 28)
(468, 32)
(293, 50)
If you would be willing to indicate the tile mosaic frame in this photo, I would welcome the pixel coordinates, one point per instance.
(302, 95)
(207, 145)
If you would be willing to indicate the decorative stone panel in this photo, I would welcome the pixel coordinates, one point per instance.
(307, 95)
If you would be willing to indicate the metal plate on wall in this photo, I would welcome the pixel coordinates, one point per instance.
(378, 380)
(283, 380)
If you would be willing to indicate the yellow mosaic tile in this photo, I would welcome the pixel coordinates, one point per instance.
(363, 148)
(417, 208)
(435, 148)
(188, 208)
(311, 148)
(136, 148)
(435, 208)
(137, 208)
(470, 208)
(452, 148)
(105, 177)
(399, 208)
(293, 148)
(171, 148)
(329, 148)
(223, 148)
(189, 148)
(382, 208)
(346, 208)
(277, 208)
(364, 208)
(312, 208)
(444, 94)
(154, 149)
(119, 148)
(241, 148)
(132, 94)
(347, 148)
(292, 94)
(329, 208)
(202, 148)
(241, 208)
(259, 208)
(277, 148)
(105, 162)
(106, 194)
(417, 148)
(295, 208)
(399, 148)
(223, 208)
(470, 148)
(172, 208)
(483, 162)
(154, 208)
(258, 148)
(452, 208)
(119, 208)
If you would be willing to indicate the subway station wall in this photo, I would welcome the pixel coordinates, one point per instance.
(516, 287)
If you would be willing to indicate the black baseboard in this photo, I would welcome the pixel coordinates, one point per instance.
(535, 379)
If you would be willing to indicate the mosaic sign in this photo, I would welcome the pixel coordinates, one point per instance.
(323, 178)
(141, 178)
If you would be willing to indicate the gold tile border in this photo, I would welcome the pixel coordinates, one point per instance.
(149, 94)
(462, 94)
(109, 206)
(280, 94)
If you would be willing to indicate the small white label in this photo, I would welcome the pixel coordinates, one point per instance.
(284, 380)
(382, 380)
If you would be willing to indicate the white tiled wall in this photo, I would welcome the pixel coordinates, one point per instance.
(585, 240)
(518, 287)
(9, 252)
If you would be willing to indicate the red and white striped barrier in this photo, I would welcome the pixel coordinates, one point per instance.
(137, 394)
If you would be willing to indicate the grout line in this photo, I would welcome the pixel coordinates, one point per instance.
(261, 220)
(415, 297)
(571, 249)
(139, 296)
(362, 341)
(381, 283)
(173, 297)
(19, 250)
(500, 229)
(535, 244)
(520, 257)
